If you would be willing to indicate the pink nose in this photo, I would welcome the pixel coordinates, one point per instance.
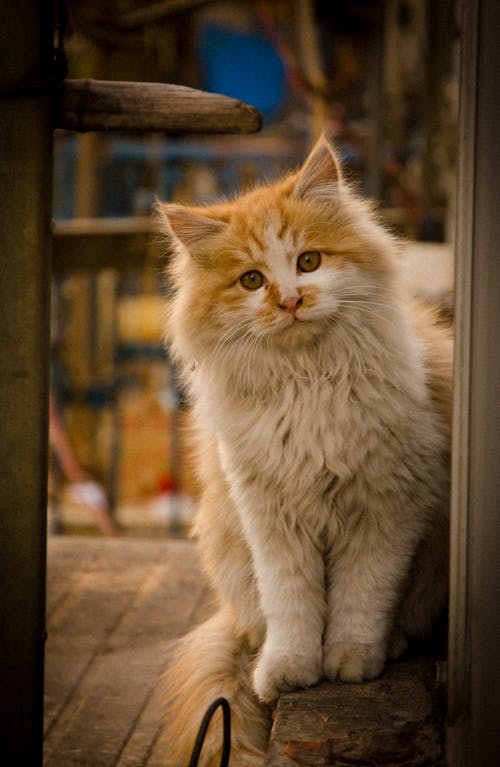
(291, 304)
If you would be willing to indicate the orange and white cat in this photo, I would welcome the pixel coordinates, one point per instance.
(321, 403)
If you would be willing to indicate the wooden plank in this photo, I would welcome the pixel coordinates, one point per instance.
(101, 105)
(90, 226)
(101, 592)
(95, 726)
(88, 244)
(108, 644)
(68, 559)
(144, 735)
(154, 751)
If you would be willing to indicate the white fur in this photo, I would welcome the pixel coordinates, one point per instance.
(334, 459)
(323, 521)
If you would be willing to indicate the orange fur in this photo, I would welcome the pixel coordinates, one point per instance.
(322, 408)
(193, 687)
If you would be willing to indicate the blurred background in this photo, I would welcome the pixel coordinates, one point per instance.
(378, 76)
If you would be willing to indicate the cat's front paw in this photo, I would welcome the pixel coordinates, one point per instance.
(353, 661)
(279, 671)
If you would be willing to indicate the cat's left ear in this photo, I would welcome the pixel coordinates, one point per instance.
(320, 177)
(188, 225)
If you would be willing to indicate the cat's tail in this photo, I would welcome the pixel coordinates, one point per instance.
(213, 661)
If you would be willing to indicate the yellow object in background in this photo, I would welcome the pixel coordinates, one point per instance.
(140, 319)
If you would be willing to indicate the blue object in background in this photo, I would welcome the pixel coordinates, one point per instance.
(243, 66)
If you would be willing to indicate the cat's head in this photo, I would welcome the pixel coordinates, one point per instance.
(279, 266)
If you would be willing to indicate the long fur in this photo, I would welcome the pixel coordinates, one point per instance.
(214, 660)
(321, 402)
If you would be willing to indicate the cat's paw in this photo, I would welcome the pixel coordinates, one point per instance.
(353, 661)
(280, 671)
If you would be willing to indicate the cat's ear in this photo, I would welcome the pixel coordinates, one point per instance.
(188, 225)
(320, 176)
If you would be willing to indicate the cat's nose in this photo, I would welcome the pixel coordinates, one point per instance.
(290, 304)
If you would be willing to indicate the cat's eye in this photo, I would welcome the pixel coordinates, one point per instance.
(309, 261)
(252, 280)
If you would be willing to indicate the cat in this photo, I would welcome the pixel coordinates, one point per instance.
(321, 404)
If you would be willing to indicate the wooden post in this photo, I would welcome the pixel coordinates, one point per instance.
(311, 63)
(25, 181)
(474, 635)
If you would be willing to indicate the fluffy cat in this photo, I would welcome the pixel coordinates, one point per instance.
(321, 403)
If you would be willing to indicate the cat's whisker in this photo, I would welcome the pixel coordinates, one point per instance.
(372, 305)
(237, 348)
(366, 308)
(363, 293)
(229, 336)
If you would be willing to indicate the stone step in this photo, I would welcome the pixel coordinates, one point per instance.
(393, 721)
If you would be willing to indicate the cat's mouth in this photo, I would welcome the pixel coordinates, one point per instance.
(301, 328)
(299, 325)
(293, 321)
(296, 324)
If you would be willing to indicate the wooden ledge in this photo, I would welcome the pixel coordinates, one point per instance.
(390, 722)
(101, 105)
(89, 244)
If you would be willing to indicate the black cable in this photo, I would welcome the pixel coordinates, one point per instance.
(226, 732)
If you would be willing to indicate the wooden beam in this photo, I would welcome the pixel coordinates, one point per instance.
(89, 244)
(100, 105)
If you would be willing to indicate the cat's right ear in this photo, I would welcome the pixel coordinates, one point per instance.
(320, 177)
(187, 225)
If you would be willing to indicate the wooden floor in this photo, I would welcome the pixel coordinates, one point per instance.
(113, 607)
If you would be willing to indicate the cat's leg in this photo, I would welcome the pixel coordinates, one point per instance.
(365, 579)
(290, 578)
(227, 558)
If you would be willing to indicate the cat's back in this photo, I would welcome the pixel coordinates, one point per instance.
(435, 332)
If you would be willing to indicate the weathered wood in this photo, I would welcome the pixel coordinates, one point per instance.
(96, 243)
(474, 662)
(101, 105)
(25, 181)
(115, 606)
(390, 721)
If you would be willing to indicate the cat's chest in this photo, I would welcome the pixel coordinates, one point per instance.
(300, 430)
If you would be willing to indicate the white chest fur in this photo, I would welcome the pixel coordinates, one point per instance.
(298, 433)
